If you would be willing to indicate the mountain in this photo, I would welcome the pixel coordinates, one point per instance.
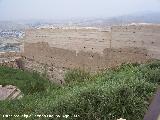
(150, 17)
(145, 17)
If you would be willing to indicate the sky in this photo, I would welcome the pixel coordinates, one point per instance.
(67, 9)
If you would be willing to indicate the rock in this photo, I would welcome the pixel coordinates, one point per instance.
(10, 92)
(121, 119)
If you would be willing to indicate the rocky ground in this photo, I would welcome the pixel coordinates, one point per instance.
(9, 92)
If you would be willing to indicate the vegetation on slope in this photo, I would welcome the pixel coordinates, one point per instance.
(121, 92)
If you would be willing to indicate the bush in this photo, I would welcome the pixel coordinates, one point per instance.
(153, 64)
(122, 92)
(20, 63)
(124, 100)
(77, 76)
(27, 82)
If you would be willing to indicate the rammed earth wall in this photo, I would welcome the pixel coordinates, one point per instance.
(93, 49)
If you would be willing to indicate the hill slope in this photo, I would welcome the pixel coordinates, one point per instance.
(121, 92)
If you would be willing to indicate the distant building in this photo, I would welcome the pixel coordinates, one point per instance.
(12, 34)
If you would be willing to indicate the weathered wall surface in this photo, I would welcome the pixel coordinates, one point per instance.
(62, 58)
(141, 36)
(11, 59)
(55, 61)
(71, 39)
(93, 49)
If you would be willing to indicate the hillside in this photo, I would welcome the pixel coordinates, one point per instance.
(124, 92)
(144, 17)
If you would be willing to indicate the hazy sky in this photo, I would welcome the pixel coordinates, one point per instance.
(66, 9)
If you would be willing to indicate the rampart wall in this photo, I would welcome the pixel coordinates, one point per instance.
(93, 49)
(11, 59)
(141, 36)
(55, 50)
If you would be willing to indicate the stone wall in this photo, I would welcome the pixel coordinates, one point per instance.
(141, 36)
(62, 58)
(93, 50)
(11, 59)
(94, 40)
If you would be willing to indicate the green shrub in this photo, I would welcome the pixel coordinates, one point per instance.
(77, 76)
(28, 82)
(105, 102)
(153, 64)
(122, 92)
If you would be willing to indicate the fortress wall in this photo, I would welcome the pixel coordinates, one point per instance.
(72, 39)
(9, 54)
(11, 59)
(141, 36)
(64, 59)
(61, 58)
(92, 49)
(125, 55)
